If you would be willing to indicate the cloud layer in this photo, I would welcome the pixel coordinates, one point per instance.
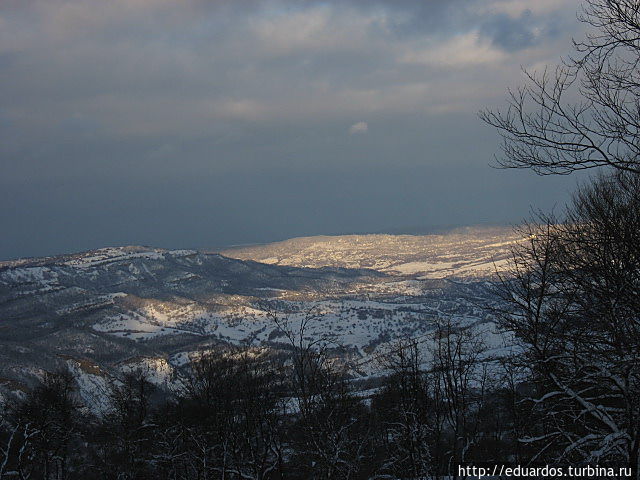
(154, 90)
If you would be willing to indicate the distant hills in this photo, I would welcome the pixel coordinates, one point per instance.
(105, 311)
(471, 252)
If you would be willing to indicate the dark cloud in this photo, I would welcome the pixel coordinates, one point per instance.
(511, 33)
(514, 34)
(420, 18)
(263, 205)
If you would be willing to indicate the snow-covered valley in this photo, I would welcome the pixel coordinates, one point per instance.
(105, 311)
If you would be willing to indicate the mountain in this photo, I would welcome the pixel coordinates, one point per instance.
(105, 311)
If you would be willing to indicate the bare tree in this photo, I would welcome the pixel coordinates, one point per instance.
(16, 452)
(461, 385)
(47, 420)
(127, 429)
(410, 416)
(575, 310)
(586, 112)
(332, 439)
(229, 422)
(573, 289)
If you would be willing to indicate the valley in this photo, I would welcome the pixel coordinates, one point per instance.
(103, 312)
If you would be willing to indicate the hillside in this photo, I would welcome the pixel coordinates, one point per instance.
(465, 253)
(105, 311)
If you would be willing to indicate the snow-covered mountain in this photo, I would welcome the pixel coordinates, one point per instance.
(465, 253)
(106, 311)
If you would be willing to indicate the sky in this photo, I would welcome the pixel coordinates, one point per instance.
(207, 123)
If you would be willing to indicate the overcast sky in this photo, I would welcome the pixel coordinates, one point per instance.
(197, 123)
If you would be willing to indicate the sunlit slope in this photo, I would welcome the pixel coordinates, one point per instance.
(472, 252)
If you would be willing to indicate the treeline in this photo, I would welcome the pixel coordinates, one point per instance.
(244, 413)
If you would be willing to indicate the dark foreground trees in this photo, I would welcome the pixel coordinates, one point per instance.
(42, 431)
(574, 300)
(228, 422)
(246, 414)
(574, 289)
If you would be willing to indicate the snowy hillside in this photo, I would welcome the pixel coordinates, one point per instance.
(103, 312)
(465, 253)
